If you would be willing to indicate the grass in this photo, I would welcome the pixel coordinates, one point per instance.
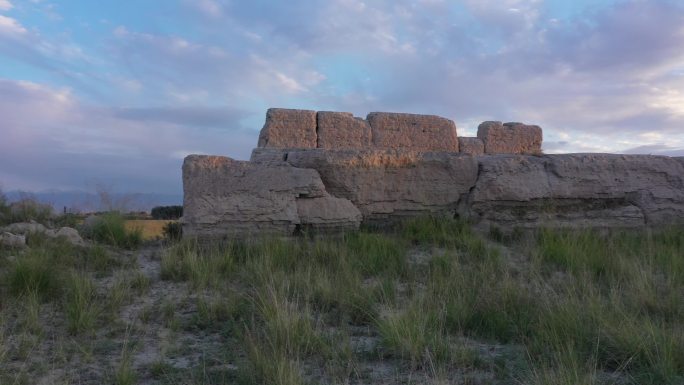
(614, 308)
(25, 209)
(80, 304)
(32, 275)
(149, 228)
(416, 334)
(430, 301)
(124, 373)
(111, 229)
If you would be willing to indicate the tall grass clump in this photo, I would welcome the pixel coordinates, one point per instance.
(110, 228)
(124, 373)
(265, 367)
(80, 304)
(288, 325)
(578, 251)
(446, 232)
(481, 298)
(373, 254)
(34, 274)
(280, 337)
(29, 313)
(204, 267)
(564, 367)
(417, 334)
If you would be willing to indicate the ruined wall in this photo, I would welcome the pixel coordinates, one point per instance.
(285, 128)
(330, 171)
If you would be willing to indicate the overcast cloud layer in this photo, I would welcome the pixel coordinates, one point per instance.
(117, 93)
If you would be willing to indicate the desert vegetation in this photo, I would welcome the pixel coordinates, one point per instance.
(24, 209)
(429, 301)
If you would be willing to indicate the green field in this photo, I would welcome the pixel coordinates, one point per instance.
(430, 302)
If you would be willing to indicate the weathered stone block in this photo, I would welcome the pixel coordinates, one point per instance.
(341, 130)
(510, 138)
(12, 240)
(286, 128)
(390, 184)
(229, 198)
(412, 132)
(25, 228)
(328, 214)
(578, 190)
(268, 155)
(471, 146)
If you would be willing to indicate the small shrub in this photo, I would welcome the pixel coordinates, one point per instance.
(173, 231)
(110, 228)
(27, 209)
(66, 220)
(140, 283)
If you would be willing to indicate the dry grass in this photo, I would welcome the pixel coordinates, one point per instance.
(151, 228)
(433, 302)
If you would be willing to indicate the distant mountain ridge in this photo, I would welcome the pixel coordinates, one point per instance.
(84, 202)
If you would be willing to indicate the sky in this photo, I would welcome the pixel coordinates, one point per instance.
(117, 93)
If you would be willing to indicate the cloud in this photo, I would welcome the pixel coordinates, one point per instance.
(10, 27)
(198, 77)
(54, 140)
(209, 8)
(656, 149)
(623, 38)
(506, 18)
(5, 5)
(184, 116)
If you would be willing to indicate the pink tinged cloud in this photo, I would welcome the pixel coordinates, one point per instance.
(10, 27)
(5, 5)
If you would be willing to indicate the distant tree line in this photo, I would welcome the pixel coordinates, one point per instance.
(167, 212)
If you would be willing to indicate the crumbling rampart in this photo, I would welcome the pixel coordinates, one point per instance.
(331, 171)
(301, 129)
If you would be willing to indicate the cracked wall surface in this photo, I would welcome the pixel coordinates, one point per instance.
(289, 128)
(283, 191)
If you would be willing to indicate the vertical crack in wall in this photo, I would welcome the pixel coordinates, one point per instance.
(635, 198)
(318, 141)
(464, 205)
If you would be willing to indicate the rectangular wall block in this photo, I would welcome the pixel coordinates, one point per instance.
(471, 146)
(510, 138)
(341, 130)
(412, 132)
(285, 128)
